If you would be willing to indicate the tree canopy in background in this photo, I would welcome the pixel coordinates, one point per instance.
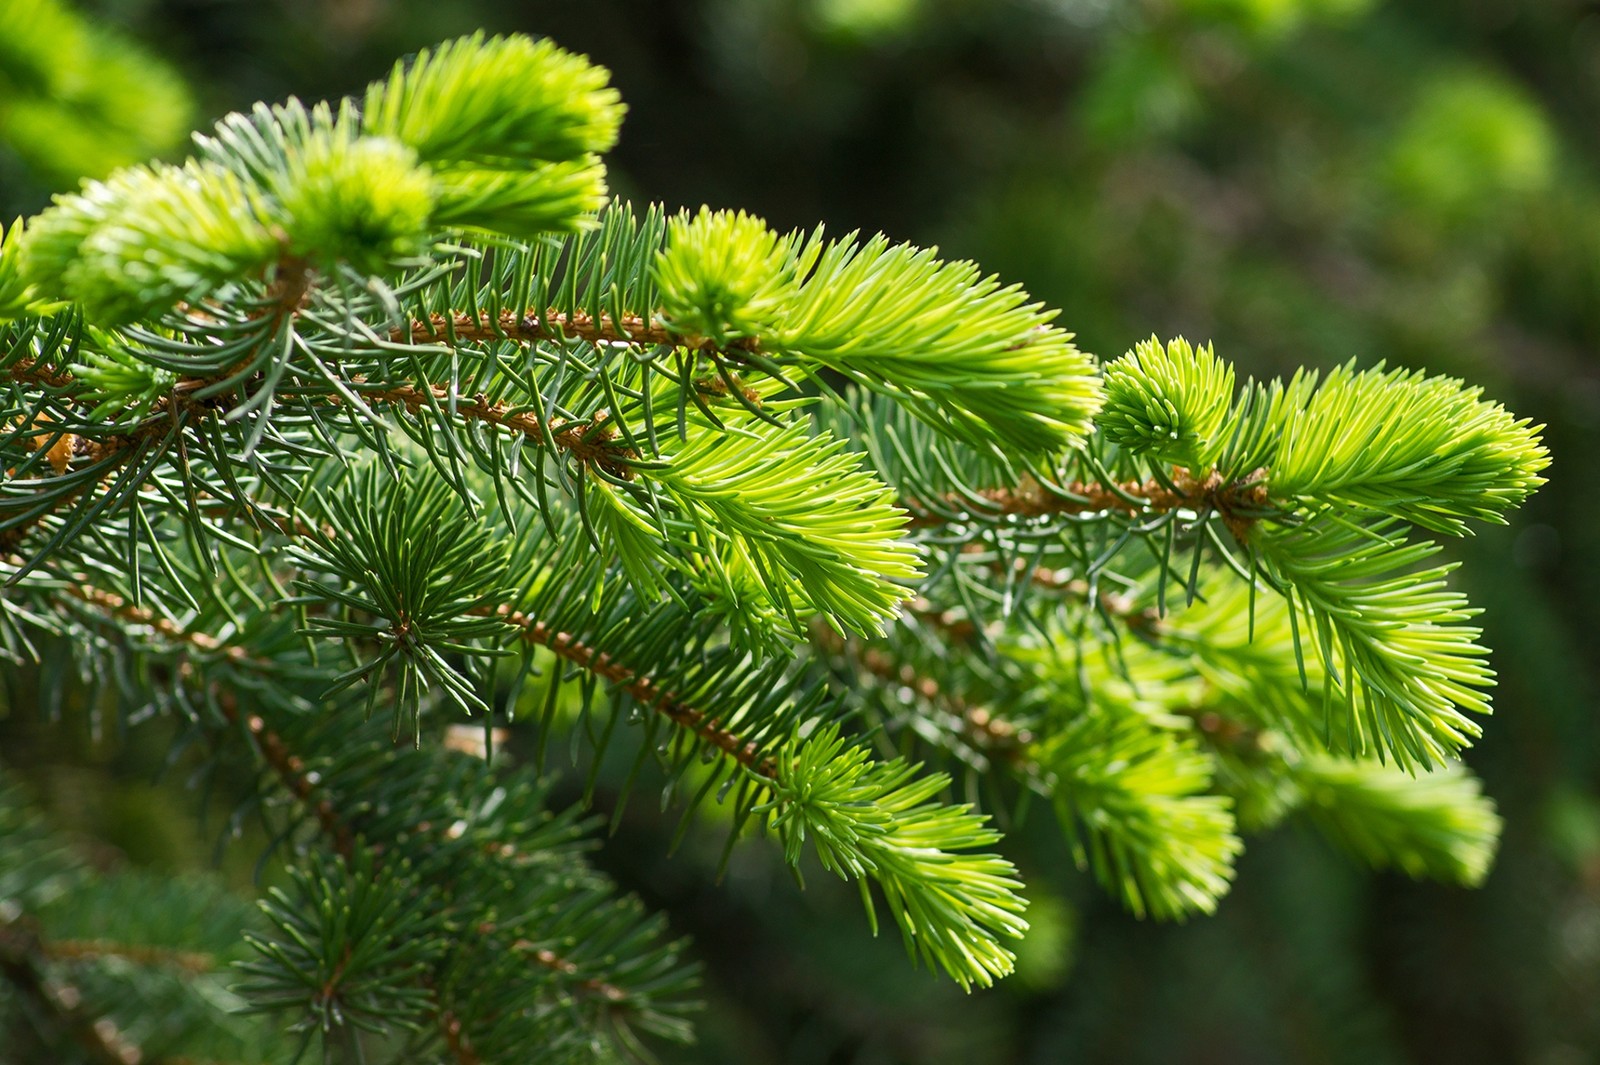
(1299, 182)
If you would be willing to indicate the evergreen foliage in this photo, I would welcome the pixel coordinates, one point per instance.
(77, 99)
(378, 408)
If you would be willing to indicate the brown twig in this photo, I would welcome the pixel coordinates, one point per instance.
(589, 441)
(554, 325)
(642, 688)
(291, 770)
(955, 624)
(1238, 502)
(21, 950)
(978, 725)
(79, 949)
(288, 766)
(30, 372)
(455, 1039)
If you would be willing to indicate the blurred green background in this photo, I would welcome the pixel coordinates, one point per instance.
(1298, 181)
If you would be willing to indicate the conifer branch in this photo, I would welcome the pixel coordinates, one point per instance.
(986, 731)
(642, 688)
(21, 951)
(90, 949)
(587, 441)
(590, 441)
(382, 278)
(529, 629)
(292, 774)
(289, 768)
(549, 325)
(1239, 502)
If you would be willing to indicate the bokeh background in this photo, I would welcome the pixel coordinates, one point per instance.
(1302, 182)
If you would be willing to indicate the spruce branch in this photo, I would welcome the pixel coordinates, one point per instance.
(18, 299)
(968, 356)
(648, 691)
(342, 964)
(21, 951)
(399, 583)
(148, 238)
(588, 441)
(1392, 640)
(1425, 450)
(1152, 833)
(737, 475)
(876, 820)
(984, 732)
(497, 100)
(91, 949)
(1169, 403)
(611, 451)
(1241, 502)
(793, 504)
(353, 839)
(645, 690)
(338, 190)
(297, 779)
(1439, 825)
